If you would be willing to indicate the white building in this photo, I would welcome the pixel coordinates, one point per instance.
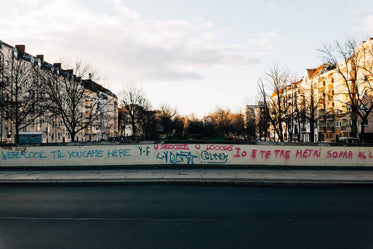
(33, 69)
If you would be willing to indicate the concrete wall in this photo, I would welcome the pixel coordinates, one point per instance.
(185, 154)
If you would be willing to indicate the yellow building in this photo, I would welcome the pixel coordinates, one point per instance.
(332, 97)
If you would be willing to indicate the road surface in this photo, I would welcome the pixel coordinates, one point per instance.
(185, 216)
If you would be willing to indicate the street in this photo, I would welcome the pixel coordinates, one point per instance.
(185, 216)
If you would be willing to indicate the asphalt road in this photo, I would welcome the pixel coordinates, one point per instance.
(185, 216)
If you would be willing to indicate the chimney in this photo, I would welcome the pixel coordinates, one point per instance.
(41, 57)
(21, 49)
(57, 65)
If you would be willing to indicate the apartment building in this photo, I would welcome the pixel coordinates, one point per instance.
(26, 106)
(330, 100)
(106, 126)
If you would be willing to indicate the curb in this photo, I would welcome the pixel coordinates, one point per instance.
(186, 181)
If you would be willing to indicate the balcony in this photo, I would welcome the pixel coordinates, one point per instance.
(322, 129)
(343, 128)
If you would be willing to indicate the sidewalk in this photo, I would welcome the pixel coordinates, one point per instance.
(258, 177)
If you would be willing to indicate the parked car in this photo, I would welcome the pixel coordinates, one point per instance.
(348, 140)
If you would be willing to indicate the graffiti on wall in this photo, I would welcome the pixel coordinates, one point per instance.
(188, 154)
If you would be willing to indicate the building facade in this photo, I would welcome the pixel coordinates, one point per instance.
(331, 102)
(36, 96)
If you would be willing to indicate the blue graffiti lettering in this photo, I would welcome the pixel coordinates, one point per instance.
(118, 153)
(57, 154)
(32, 154)
(218, 158)
(145, 151)
(11, 155)
(25, 154)
(176, 157)
(85, 154)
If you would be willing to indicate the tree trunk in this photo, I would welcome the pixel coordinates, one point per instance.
(17, 133)
(354, 125)
(72, 134)
(133, 130)
(312, 131)
(362, 133)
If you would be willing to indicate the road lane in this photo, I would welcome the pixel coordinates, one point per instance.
(177, 216)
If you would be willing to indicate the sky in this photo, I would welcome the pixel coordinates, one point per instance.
(192, 55)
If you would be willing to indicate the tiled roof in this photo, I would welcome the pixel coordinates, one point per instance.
(313, 72)
(95, 87)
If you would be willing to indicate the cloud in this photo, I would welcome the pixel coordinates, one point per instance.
(274, 7)
(295, 10)
(120, 42)
(366, 24)
(263, 40)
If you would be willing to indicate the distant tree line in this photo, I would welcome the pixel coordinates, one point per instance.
(138, 121)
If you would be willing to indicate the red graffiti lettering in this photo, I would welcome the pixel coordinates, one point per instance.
(220, 147)
(341, 154)
(238, 154)
(307, 153)
(266, 154)
(253, 154)
(282, 154)
(361, 155)
(174, 147)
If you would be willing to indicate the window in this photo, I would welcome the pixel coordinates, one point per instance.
(366, 123)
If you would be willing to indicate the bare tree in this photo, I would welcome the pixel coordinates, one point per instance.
(251, 122)
(133, 100)
(22, 102)
(308, 106)
(122, 121)
(290, 110)
(264, 120)
(167, 115)
(221, 120)
(353, 65)
(178, 125)
(310, 100)
(237, 126)
(193, 126)
(77, 107)
(147, 121)
(274, 82)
